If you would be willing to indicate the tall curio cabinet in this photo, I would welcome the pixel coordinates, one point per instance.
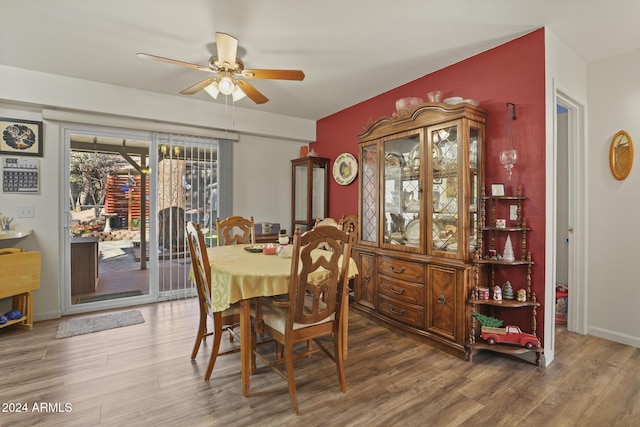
(309, 191)
(420, 176)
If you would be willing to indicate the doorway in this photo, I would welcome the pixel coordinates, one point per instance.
(107, 212)
(562, 217)
(566, 232)
(130, 247)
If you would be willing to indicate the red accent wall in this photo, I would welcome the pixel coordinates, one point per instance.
(513, 72)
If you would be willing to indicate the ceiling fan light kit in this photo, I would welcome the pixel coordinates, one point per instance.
(226, 85)
(213, 90)
(238, 94)
(228, 67)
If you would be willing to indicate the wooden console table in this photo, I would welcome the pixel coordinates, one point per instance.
(19, 277)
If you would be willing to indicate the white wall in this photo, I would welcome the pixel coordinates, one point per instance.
(45, 225)
(263, 167)
(614, 292)
(262, 182)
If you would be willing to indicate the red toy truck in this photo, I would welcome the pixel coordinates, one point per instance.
(510, 334)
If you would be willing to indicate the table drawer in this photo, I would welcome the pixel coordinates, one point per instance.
(400, 269)
(412, 293)
(402, 312)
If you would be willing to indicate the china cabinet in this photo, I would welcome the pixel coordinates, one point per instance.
(420, 175)
(513, 264)
(309, 191)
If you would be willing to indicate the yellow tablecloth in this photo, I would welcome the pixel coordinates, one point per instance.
(237, 274)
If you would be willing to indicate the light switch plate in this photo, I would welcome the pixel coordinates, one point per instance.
(26, 212)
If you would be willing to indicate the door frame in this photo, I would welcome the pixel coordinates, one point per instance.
(578, 202)
(66, 130)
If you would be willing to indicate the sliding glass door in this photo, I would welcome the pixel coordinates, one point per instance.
(107, 225)
(129, 197)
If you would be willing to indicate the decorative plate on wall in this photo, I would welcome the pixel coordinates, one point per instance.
(345, 169)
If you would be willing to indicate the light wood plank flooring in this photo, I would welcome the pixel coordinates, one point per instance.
(141, 375)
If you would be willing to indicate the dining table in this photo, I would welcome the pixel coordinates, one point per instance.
(240, 273)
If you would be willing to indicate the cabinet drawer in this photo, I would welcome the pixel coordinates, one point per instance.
(402, 291)
(400, 269)
(402, 312)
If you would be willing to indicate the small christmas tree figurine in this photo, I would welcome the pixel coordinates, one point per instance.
(507, 291)
(508, 250)
(487, 320)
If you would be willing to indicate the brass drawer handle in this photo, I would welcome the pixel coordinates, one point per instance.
(397, 313)
(400, 292)
(366, 279)
(442, 300)
(397, 271)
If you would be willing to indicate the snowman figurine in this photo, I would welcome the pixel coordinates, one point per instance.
(497, 293)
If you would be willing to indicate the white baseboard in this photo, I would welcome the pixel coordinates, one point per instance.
(614, 336)
(56, 314)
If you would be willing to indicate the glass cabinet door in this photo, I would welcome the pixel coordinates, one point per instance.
(369, 165)
(402, 192)
(309, 192)
(445, 187)
(474, 179)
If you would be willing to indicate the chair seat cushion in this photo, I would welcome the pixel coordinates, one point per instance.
(234, 309)
(275, 317)
(231, 311)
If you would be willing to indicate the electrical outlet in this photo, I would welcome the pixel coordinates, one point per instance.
(513, 212)
(26, 212)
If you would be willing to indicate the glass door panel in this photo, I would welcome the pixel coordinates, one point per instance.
(445, 190)
(369, 183)
(318, 208)
(301, 190)
(474, 136)
(402, 192)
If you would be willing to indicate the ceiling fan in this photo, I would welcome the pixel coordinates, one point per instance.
(229, 69)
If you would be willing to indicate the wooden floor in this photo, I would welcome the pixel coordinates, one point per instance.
(141, 375)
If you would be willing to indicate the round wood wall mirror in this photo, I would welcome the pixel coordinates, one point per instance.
(621, 155)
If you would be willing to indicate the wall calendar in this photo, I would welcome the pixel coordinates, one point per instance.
(20, 175)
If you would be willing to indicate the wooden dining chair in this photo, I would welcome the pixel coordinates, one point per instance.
(222, 321)
(311, 310)
(239, 230)
(235, 230)
(326, 221)
(349, 221)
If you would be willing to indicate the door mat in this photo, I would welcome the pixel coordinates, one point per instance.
(89, 325)
(113, 295)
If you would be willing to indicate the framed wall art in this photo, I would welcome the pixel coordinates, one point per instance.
(20, 137)
(497, 190)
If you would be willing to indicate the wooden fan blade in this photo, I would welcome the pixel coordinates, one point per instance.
(273, 74)
(227, 48)
(176, 62)
(251, 92)
(198, 86)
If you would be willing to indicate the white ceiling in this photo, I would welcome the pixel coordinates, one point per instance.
(350, 50)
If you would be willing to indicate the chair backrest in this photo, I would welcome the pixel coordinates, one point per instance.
(349, 221)
(235, 230)
(326, 221)
(200, 264)
(318, 275)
